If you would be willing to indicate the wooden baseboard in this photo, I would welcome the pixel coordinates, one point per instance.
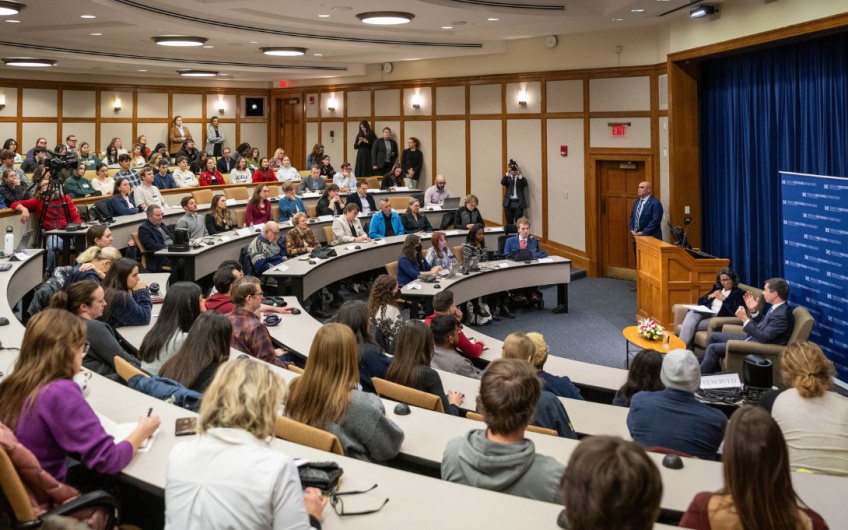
(578, 258)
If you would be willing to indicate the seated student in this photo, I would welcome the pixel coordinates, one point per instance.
(155, 235)
(126, 172)
(290, 203)
(264, 251)
(46, 408)
(559, 385)
(443, 305)
(410, 367)
(191, 221)
(550, 413)
(386, 223)
(393, 178)
(11, 189)
(199, 163)
(527, 247)
(643, 376)
(439, 253)
(345, 179)
(179, 311)
(264, 173)
(446, 336)
(610, 483)
(300, 239)
(414, 221)
(122, 202)
(226, 162)
(314, 183)
(30, 164)
(758, 490)
(249, 333)
(241, 174)
(86, 157)
(384, 312)
(77, 185)
(93, 264)
(211, 176)
(86, 300)
(204, 349)
(411, 263)
(286, 171)
(468, 215)
(499, 458)
(146, 193)
(814, 420)
(219, 219)
(220, 301)
(258, 210)
(102, 182)
(372, 362)
(347, 228)
(327, 170)
(235, 427)
(325, 396)
(189, 151)
(673, 418)
(98, 236)
(330, 203)
(127, 298)
(164, 179)
(183, 175)
(363, 199)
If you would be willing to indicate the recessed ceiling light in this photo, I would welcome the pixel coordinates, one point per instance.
(8, 8)
(323, 15)
(492, 19)
(637, 10)
(95, 34)
(142, 70)
(317, 55)
(179, 40)
(197, 73)
(254, 42)
(28, 62)
(447, 27)
(287, 51)
(87, 16)
(385, 18)
(618, 20)
(207, 47)
(13, 21)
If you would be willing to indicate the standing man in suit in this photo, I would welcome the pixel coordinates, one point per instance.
(362, 198)
(773, 327)
(646, 216)
(515, 200)
(384, 153)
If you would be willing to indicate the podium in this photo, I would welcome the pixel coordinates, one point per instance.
(667, 275)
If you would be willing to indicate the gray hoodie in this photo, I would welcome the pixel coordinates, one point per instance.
(514, 468)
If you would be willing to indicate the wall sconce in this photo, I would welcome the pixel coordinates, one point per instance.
(331, 104)
(2, 101)
(416, 101)
(117, 103)
(221, 106)
(522, 97)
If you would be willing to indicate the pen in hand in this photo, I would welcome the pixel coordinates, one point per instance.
(149, 411)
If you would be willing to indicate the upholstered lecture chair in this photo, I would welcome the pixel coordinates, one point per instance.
(392, 269)
(328, 234)
(407, 395)
(239, 194)
(399, 203)
(457, 253)
(125, 370)
(374, 182)
(311, 210)
(293, 431)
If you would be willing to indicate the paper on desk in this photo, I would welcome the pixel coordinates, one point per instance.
(120, 431)
(401, 188)
(413, 286)
(451, 232)
(503, 265)
(351, 247)
(701, 309)
(434, 207)
(374, 190)
(310, 195)
(231, 202)
(281, 267)
(712, 382)
(323, 218)
(379, 242)
(224, 239)
(246, 231)
(545, 260)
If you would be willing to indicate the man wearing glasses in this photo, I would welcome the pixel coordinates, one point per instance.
(249, 333)
(264, 251)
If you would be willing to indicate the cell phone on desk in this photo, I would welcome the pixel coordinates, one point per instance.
(5, 267)
(185, 426)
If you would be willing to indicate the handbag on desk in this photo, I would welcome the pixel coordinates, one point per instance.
(322, 475)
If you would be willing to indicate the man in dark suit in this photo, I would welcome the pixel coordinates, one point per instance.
(773, 327)
(226, 163)
(155, 235)
(515, 200)
(384, 152)
(362, 198)
(647, 213)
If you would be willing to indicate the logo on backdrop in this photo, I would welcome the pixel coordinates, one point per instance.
(815, 245)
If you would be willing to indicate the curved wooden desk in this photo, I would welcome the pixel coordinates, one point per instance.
(14, 285)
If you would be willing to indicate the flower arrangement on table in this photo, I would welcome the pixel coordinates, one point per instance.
(651, 329)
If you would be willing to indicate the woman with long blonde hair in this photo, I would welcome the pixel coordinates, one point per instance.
(252, 486)
(326, 396)
(219, 218)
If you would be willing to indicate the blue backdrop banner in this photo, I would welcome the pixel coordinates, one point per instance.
(815, 257)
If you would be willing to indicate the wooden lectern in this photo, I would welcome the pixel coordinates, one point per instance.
(667, 275)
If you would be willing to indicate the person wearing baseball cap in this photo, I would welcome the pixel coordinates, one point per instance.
(673, 418)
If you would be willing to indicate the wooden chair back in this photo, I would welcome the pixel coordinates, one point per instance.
(532, 428)
(328, 234)
(399, 203)
(457, 253)
(293, 431)
(374, 182)
(274, 191)
(296, 369)
(202, 196)
(392, 269)
(141, 250)
(14, 490)
(407, 395)
(239, 194)
(240, 216)
(311, 210)
(125, 370)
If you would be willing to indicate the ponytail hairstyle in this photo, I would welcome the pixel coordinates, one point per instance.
(805, 368)
(77, 294)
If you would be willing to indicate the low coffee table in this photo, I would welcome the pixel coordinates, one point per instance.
(631, 336)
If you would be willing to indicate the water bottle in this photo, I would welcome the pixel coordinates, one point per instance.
(9, 243)
(666, 340)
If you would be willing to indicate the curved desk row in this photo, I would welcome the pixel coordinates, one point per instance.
(15, 283)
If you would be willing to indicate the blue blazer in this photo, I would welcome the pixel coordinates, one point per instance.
(650, 222)
(119, 206)
(289, 207)
(377, 228)
(512, 247)
(408, 271)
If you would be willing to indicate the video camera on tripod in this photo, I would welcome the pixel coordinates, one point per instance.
(53, 165)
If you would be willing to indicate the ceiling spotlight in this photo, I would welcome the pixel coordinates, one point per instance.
(492, 19)
(637, 10)
(286, 51)
(95, 34)
(179, 40)
(142, 70)
(208, 47)
(323, 15)
(385, 18)
(28, 62)
(703, 10)
(317, 55)
(88, 17)
(13, 21)
(447, 27)
(8, 8)
(618, 20)
(197, 73)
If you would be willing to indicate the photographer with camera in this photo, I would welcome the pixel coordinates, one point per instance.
(514, 201)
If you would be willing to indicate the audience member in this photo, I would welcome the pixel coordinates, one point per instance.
(155, 235)
(211, 176)
(163, 179)
(215, 138)
(86, 157)
(220, 300)
(162, 149)
(86, 299)
(111, 158)
(127, 172)
(191, 221)
(11, 189)
(41, 142)
(384, 153)
(559, 385)
(384, 312)
(500, 458)
(300, 239)
(147, 194)
(393, 179)
(313, 183)
(414, 349)
(436, 194)
(219, 218)
(757, 490)
(77, 185)
(345, 179)
(122, 201)
(723, 300)
(610, 483)
(46, 408)
(326, 169)
(325, 396)
(92, 264)
(191, 153)
(31, 163)
(443, 304)
(412, 161)
(253, 159)
(241, 174)
(386, 223)
(263, 173)
(127, 298)
(264, 251)
(11, 145)
(178, 134)
(141, 140)
(524, 247)
(468, 215)
(8, 161)
(258, 210)
(199, 164)
(183, 175)
(515, 190)
(673, 418)
(365, 139)
(411, 263)
(372, 362)
(446, 336)
(314, 157)
(363, 199)
(180, 309)
(136, 157)
(250, 335)
(290, 203)
(226, 162)
(98, 236)
(413, 221)
(330, 203)
(347, 228)
(102, 182)
(474, 252)
(439, 254)
(643, 376)
(205, 348)
(236, 424)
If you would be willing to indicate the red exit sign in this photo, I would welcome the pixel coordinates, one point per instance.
(619, 130)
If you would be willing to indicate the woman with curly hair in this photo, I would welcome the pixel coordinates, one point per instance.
(384, 312)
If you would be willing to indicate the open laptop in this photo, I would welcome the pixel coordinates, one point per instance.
(24, 244)
(450, 202)
(450, 273)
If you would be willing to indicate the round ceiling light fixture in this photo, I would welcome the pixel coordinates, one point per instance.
(284, 51)
(197, 73)
(29, 62)
(8, 8)
(385, 18)
(181, 41)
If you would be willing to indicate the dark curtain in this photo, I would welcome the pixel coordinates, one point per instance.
(781, 109)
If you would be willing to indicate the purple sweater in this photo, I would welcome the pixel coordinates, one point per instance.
(61, 422)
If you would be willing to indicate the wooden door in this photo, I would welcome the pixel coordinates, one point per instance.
(618, 183)
(290, 111)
